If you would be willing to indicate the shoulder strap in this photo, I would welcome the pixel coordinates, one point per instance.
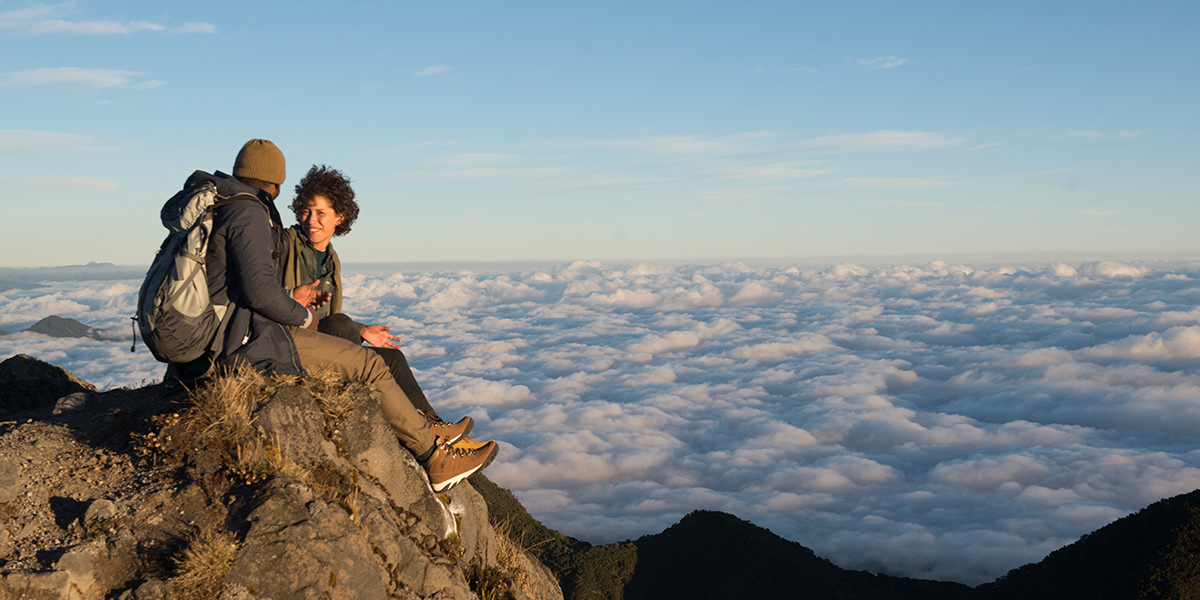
(237, 196)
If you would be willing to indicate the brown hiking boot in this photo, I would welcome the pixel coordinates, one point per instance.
(450, 465)
(450, 432)
(468, 443)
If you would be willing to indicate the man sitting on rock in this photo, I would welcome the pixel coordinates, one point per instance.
(267, 327)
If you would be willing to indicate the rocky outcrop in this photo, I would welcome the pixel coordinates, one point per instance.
(27, 383)
(131, 495)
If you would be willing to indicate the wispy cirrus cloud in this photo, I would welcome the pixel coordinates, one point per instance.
(78, 78)
(481, 172)
(17, 19)
(879, 62)
(674, 145)
(93, 27)
(580, 181)
(193, 27)
(1087, 134)
(752, 158)
(1123, 134)
(688, 147)
(897, 183)
(779, 171)
(508, 168)
(433, 70)
(471, 159)
(876, 140)
(47, 142)
(43, 19)
(1095, 212)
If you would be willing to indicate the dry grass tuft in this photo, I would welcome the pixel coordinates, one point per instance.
(489, 583)
(247, 461)
(201, 568)
(225, 407)
(222, 414)
(511, 557)
(218, 435)
(332, 391)
(508, 554)
(251, 459)
(336, 487)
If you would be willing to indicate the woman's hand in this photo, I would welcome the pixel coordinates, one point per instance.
(378, 336)
(309, 296)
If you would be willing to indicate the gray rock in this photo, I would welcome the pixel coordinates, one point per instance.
(71, 402)
(154, 589)
(440, 581)
(406, 559)
(100, 510)
(299, 546)
(27, 530)
(52, 585)
(79, 564)
(374, 451)
(474, 532)
(10, 480)
(291, 419)
(233, 591)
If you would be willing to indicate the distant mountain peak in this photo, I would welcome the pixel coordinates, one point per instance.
(62, 327)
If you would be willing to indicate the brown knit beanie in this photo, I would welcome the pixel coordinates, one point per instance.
(262, 160)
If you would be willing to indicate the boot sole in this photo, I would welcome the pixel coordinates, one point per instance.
(453, 481)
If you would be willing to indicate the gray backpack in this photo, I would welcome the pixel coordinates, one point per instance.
(175, 314)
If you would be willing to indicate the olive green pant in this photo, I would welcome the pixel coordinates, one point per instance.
(320, 352)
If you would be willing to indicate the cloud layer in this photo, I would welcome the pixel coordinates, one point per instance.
(76, 77)
(62, 19)
(936, 421)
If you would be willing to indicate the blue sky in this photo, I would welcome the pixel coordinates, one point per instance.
(618, 131)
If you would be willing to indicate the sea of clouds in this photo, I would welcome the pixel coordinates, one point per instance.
(936, 421)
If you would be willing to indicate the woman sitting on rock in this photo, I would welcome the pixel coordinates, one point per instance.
(324, 208)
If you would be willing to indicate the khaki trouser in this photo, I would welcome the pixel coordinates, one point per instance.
(357, 363)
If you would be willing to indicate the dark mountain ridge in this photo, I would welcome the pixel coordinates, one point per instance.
(89, 272)
(30, 278)
(1154, 553)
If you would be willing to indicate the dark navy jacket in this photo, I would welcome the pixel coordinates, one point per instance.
(245, 254)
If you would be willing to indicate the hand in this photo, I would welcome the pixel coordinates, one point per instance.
(309, 297)
(378, 336)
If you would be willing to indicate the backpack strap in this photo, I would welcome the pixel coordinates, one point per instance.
(244, 197)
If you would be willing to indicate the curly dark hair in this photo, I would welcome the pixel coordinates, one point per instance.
(335, 187)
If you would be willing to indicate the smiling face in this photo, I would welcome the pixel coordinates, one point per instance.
(319, 220)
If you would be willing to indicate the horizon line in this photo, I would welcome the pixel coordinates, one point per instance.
(983, 257)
